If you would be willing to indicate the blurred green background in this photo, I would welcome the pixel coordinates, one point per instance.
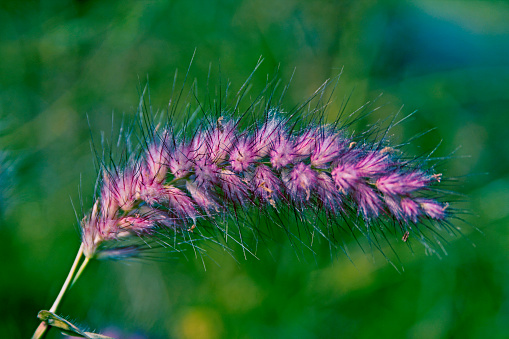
(61, 60)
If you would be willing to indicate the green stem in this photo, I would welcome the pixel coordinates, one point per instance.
(43, 326)
(82, 267)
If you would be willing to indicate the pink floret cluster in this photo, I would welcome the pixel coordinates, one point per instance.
(177, 180)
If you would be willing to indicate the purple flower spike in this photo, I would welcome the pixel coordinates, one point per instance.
(175, 183)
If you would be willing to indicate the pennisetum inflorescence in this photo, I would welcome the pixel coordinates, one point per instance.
(222, 168)
(187, 176)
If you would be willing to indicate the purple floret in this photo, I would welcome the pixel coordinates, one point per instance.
(300, 181)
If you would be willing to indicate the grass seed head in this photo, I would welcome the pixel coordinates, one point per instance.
(229, 165)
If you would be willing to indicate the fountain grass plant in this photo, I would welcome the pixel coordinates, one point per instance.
(183, 177)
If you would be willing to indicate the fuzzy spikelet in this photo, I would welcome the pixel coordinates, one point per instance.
(202, 199)
(282, 152)
(433, 209)
(328, 194)
(180, 163)
(410, 209)
(300, 181)
(177, 181)
(328, 148)
(402, 183)
(266, 136)
(265, 184)
(124, 188)
(243, 155)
